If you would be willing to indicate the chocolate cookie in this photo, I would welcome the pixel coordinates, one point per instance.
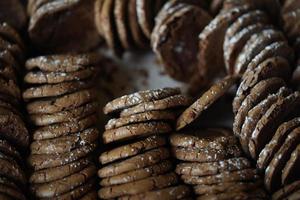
(56, 188)
(58, 104)
(13, 12)
(11, 193)
(146, 159)
(289, 172)
(60, 37)
(176, 49)
(286, 191)
(66, 128)
(259, 92)
(56, 173)
(134, 99)
(145, 16)
(153, 170)
(132, 149)
(213, 168)
(9, 150)
(14, 49)
(175, 192)
(256, 113)
(275, 143)
(205, 101)
(65, 116)
(268, 124)
(274, 170)
(291, 24)
(65, 144)
(11, 35)
(235, 176)
(140, 117)
(141, 186)
(136, 130)
(176, 101)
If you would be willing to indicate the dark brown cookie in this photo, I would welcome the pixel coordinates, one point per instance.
(9, 150)
(56, 173)
(10, 34)
(176, 49)
(58, 104)
(259, 92)
(235, 176)
(290, 171)
(146, 159)
(286, 190)
(275, 143)
(205, 101)
(172, 193)
(206, 155)
(91, 195)
(65, 144)
(268, 124)
(8, 59)
(211, 40)
(13, 12)
(136, 130)
(61, 186)
(132, 149)
(60, 37)
(13, 128)
(274, 170)
(256, 113)
(134, 99)
(64, 62)
(65, 116)
(44, 161)
(10, 88)
(212, 168)
(291, 24)
(11, 192)
(290, 5)
(14, 49)
(66, 128)
(141, 186)
(141, 117)
(153, 170)
(177, 101)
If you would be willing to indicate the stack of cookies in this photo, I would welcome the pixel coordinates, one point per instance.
(62, 25)
(126, 24)
(288, 192)
(212, 161)
(175, 47)
(61, 103)
(137, 164)
(14, 137)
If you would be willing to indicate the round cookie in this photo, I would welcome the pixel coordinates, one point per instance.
(275, 143)
(290, 171)
(135, 130)
(235, 176)
(64, 116)
(256, 113)
(175, 192)
(212, 168)
(268, 124)
(286, 190)
(44, 161)
(276, 165)
(146, 159)
(153, 170)
(58, 187)
(141, 186)
(56, 173)
(140, 117)
(57, 104)
(259, 92)
(132, 149)
(64, 63)
(205, 101)
(134, 99)
(176, 101)
(66, 128)
(65, 144)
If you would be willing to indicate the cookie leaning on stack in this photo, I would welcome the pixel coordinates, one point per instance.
(14, 137)
(138, 165)
(62, 105)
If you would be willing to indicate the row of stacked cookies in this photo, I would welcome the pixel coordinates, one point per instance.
(62, 106)
(14, 137)
(263, 104)
(138, 164)
(126, 24)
